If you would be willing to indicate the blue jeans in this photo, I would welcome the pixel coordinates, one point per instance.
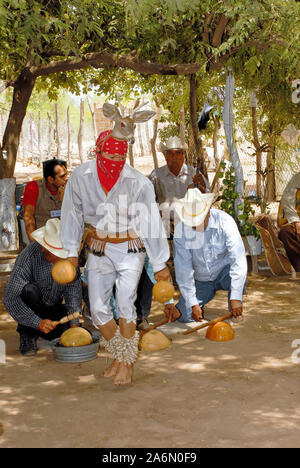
(205, 292)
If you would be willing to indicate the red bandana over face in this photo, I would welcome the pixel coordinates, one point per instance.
(109, 171)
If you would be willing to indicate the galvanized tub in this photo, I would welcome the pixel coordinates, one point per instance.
(75, 353)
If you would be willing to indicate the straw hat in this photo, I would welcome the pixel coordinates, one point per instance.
(193, 208)
(173, 143)
(49, 237)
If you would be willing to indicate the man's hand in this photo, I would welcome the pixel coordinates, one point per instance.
(297, 227)
(162, 275)
(199, 181)
(46, 326)
(197, 313)
(236, 308)
(74, 261)
(171, 312)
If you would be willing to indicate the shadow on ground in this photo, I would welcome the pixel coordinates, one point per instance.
(196, 393)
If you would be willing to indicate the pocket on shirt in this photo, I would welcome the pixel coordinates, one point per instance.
(220, 251)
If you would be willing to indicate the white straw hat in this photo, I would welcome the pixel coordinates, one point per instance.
(173, 143)
(49, 237)
(193, 208)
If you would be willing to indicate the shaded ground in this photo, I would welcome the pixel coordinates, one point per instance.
(196, 393)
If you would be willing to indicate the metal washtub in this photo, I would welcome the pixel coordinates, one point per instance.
(75, 353)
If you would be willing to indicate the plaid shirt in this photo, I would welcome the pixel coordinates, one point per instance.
(32, 267)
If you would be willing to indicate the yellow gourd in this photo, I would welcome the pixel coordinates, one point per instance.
(63, 272)
(76, 336)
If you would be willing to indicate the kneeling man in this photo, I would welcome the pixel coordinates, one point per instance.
(33, 298)
(209, 256)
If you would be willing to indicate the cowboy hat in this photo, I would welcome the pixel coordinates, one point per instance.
(193, 208)
(173, 143)
(48, 236)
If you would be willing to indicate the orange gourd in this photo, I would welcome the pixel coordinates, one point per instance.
(220, 331)
(163, 291)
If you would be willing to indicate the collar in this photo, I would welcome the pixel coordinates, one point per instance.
(183, 171)
(212, 222)
(53, 192)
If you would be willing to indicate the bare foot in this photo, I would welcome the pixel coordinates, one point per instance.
(112, 370)
(124, 375)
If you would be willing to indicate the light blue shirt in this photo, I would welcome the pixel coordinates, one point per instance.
(202, 256)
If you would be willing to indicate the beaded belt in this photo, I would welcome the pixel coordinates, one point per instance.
(96, 243)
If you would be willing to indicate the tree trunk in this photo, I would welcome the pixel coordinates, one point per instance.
(131, 158)
(93, 120)
(182, 120)
(271, 181)
(80, 132)
(217, 127)
(140, 138)
(198, 150)
(40, 141)
(69, 138)
(1, 127)
(257, 147)
(49, 134)
(155, 129)
(58, 145)
(8, 153)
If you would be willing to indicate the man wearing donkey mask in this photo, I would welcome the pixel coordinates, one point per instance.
(118, 205)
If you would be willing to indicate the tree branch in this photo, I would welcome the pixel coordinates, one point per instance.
(205, 34)
(105, 60)
(219, 31)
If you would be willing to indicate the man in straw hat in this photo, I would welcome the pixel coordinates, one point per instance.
(171, 183)
(209, 256)
(32, 297)
(172, 180)
(118, 204)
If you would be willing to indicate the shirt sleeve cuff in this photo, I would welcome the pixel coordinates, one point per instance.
(73, 252)
(35, 321)
(158, 267)
(192, 302)
(236, 295)
(171, 301)
(294, 219)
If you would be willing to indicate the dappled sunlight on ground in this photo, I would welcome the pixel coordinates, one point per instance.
(195, 393)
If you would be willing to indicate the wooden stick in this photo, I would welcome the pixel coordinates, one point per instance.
(67, 318)
(207, 324)
(155, 325)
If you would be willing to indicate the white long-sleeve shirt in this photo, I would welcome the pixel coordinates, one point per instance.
(129, 205)
(202, 256)
(289, 199)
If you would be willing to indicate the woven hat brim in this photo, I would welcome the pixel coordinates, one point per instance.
(38, 236)
(193, 219)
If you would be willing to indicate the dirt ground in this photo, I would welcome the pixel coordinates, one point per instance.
(196, 393)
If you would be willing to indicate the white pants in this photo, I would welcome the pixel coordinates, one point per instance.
(117, 267)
